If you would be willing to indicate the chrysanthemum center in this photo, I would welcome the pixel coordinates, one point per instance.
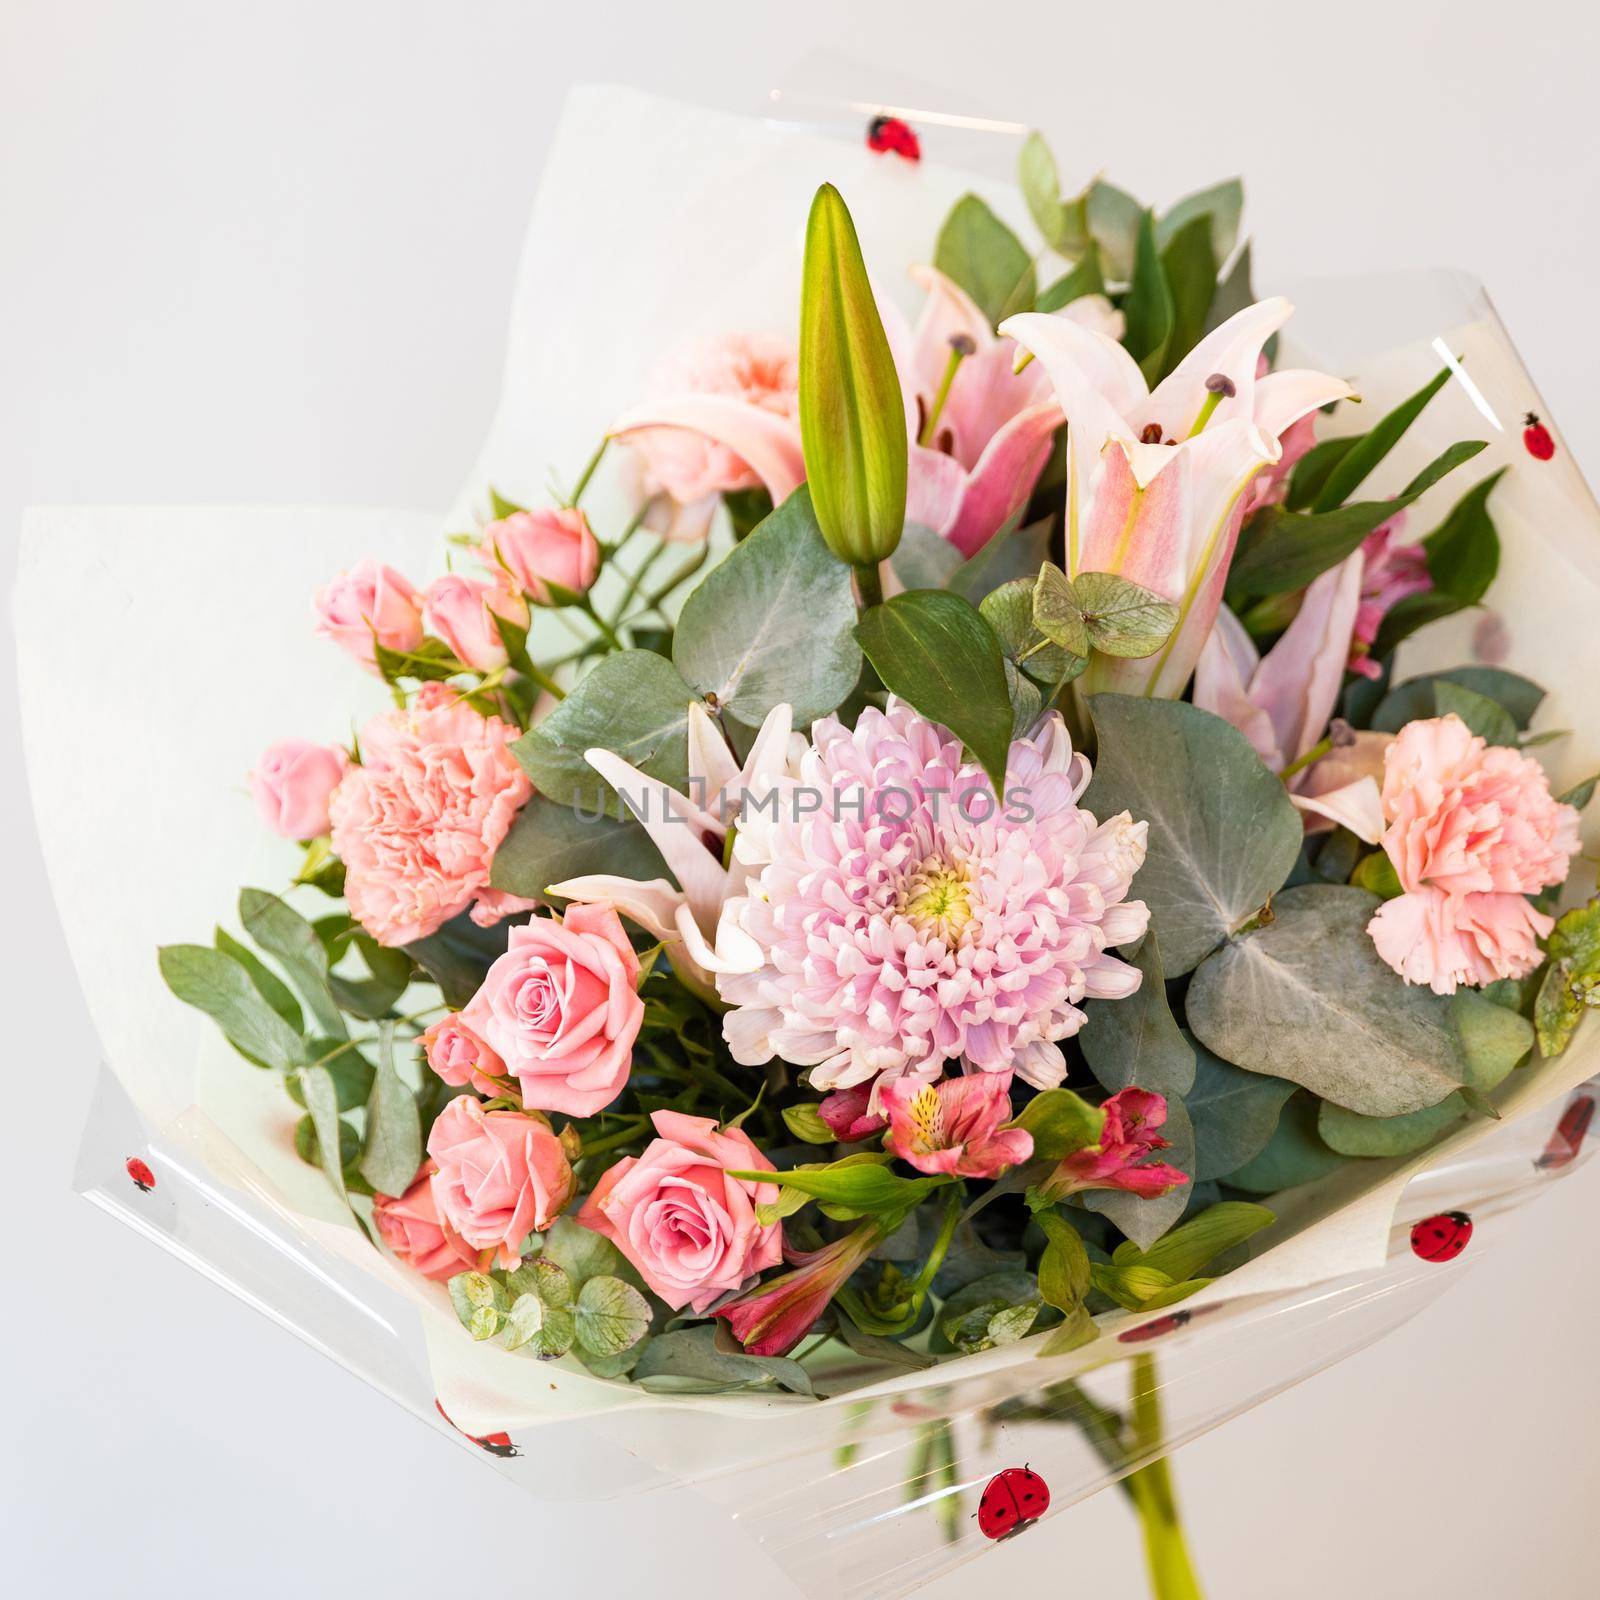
(936, 898)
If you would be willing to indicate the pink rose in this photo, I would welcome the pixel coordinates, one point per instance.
(465, 612)
(1471, 830)
(418, 822)
(753, 368)
(674, 1212)
(537, 548)
(410, 1227)
(501, 1176)
(561, 1009)
(461, 1058)
(293, 783)
(370, 602)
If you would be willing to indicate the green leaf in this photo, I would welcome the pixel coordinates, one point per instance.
(633, 704)
(350, 1070)
(773, 621)
(924, 559)
(1194, 1244)
(1418, 698)
(479, 1303)
(1234, 293)
(1102, 611)
(1375, 873)
(1063, 223)
(217, 985)
(501, 507)
(459, 955)
(999, 1308)
(581, 1253)
(852, 416)
(1060, 1122)
(688, 1362)
(546, 1329)
(1295, 1154)
(1307, 997)
(282, 932)
(391, 1152)
(1356, 464)
(856, 1187)
(1115, 219)
(1148, 307)
(1008, 555)
(1282, 550)
(876, 1348)
(934, 649)
(550, 843)
(1189, 264)
(1223, 833)
(309, 1148)
(1136, 1042)
(1572, 981)
(374, 997)
(321, 1101)
(1084, 278)
(1580, 794)
(1464, 550)
(805, 1123)
(612, 1316)
(978, 252)
(1233, 1112)
(1481, 714)
(1312, 470)
(431, 662)
(1221, 205)
(1064, 1266)
(1009, 611)
(271, 987)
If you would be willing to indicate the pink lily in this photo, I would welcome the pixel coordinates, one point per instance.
(691, 917)
(1393, 571)
(1282, 702)
(1119, 1161)
(773, 1318)
(991, 435)
(1157, 482)
(954, 1127)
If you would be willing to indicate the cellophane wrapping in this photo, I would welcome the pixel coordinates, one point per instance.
(655, 216)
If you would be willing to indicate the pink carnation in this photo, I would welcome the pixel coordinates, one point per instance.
(755, 368)
(677, 1215)
(1471, 830)
(914, 920)
(418, 822)
(410, 1226)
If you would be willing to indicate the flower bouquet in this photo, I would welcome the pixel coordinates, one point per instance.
(956, 845)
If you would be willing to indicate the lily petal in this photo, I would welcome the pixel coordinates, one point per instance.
(1283, 398)
(1231, 350)
(999, 486)
(652, 904)
(1357, 806)
(767, 443)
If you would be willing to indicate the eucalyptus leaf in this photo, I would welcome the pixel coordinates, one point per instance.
(1009, 611)
(546, 1330)
(391, 1151)
(321, 1101)
(1063, 223)
(459, 955)
(1115, 218)
(612, 1316)
(1010, 553)
(281, 931)
(216, 984)
(773, 622)
(1223, 832)
(1307, 997)
(977, 251)
(1136, 1042)
(924, 559)
(633, 704)
(1221, 204)
(1234, 1113)
(581, 1253)
(935, 650)
(688, 1361)
(1295, 1154)
(272, 988)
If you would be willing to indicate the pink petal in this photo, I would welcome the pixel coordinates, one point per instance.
(766, 442)
(1002, 481)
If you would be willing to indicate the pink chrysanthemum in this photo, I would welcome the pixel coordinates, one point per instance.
(908, 919)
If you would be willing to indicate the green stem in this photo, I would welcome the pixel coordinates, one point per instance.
(1172, 1575)
(1310, 758)
(588, 471)
(607, 632)
(619, 611)
(597, 1147)
(686, 569)
(543, 679)
(870, 584)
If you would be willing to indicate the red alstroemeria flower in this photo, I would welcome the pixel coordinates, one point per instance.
(1118, 1161)
(954, 1127)
(773, 1319)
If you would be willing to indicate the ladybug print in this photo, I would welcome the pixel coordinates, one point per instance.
(1569, 1135)
(1013, 1500)
(1442, 1237)
(144, 1180)
(886, 134)
(1537, 438)
(497, 1444)
(1170, 1323)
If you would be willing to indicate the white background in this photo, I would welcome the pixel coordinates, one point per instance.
(264, 252)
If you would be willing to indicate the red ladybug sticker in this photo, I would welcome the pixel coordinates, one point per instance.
(886, 134)
(144, 1180)
(1537, 438)
(1013, 1500)
(1441, 1238)
(497, 1444)
(1569, 1134)
(1170, 1323)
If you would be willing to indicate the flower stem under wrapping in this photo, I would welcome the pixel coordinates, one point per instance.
(1172, 1575)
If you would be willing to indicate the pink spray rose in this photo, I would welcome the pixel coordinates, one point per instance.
(1120, 1159)
(418, 823)
(536, 548)
(677, 1215)
(465, 613)
(370, 602)
(293, 783)
(501, 1176)
(461, 1058)
(1472, 830)
(953, 1127)
(410, 1227)
(561, 1009)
